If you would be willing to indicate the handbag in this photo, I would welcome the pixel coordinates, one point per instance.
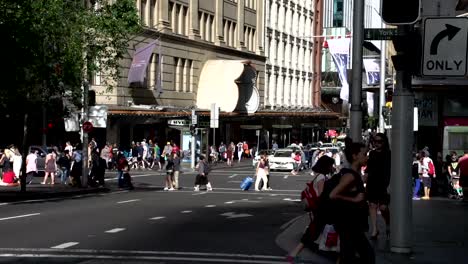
(329, 239)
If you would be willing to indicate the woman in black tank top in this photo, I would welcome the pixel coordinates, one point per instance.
(352, 212)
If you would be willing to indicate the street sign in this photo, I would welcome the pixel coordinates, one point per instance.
(380, 33)
(194, 118)
(445, 47)
(214, 116)
(87, 127)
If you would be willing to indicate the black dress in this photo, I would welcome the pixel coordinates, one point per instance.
(379, 171)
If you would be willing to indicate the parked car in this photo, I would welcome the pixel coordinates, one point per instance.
(256, 159)
(282, 160)
(41, 156)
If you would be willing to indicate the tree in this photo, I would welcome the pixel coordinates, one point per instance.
(52, 46)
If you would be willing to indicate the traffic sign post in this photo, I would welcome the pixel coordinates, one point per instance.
(445, 47)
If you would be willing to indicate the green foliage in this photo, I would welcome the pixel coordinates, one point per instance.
(52, 46)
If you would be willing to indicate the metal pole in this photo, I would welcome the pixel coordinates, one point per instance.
(214, 137)
(383, 57)
(355, 120)
(44, 126)
(192, 162)
(84, 176)
(400, 183)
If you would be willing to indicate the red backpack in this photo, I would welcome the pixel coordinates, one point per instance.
(431, 170)
(309, 197)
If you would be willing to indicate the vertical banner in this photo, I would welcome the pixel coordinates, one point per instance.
(372, 68)
(137, 72)
(339, 50)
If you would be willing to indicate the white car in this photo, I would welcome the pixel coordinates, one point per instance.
(282, 160)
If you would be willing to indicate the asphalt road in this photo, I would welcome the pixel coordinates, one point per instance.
(149, 225)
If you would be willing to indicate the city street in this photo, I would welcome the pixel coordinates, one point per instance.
(151, 225)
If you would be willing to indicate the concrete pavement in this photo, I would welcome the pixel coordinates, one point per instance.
(440, 232)
(148, 225)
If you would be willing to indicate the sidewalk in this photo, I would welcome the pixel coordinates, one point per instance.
(36, 191)
(440, 232)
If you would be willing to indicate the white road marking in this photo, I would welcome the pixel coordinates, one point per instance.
(3, 203)
(65, 245)
(133, 176)
(199, 193)
(210, 205)
(285, 176)
(235, 181)
(230, 202)
(186, 212)
(232, 176)
(157, 217)
(128, 201)
(18, 216)
(144, 256)
(245, 199)
(231, 215)
(115, 230)
(291, 200)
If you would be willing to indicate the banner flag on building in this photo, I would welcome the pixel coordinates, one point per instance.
(159, 87)
(137, 72)
(372, 67)
(339, 50)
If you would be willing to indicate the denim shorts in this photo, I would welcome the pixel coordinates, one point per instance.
(427, 181)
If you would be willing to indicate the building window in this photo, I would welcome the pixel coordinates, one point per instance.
(153, 16)
(206, 26)
(183, 75)
(96, 76)
(153, 71)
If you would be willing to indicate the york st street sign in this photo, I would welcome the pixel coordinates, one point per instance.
(380, 33)
(445, 46)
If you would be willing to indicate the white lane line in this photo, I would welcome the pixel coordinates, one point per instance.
(142, 258)
(200, 257)
(210, 205)
(18, 216)
(133, 176)
(230, 202)
(65, 245)
(115, 230)
(285, 176)
(186, 212)
(3, 203)
(157, 218)
(232, 176)
(199, 193)
(128, 201)
(245, 199)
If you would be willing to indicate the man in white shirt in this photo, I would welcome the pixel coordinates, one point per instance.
(31, 166)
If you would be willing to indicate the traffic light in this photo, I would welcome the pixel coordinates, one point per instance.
(193, 129)
(91, 98)
(400, 12)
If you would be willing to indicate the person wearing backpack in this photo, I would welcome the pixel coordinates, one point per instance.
(427, 171)
(310, 197)
(351, 211)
